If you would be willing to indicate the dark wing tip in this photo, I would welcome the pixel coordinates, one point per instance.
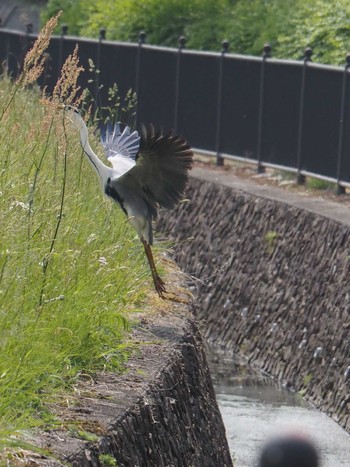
(173, 157)
(152, 139)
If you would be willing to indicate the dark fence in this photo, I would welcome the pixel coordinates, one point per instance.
(275, 113)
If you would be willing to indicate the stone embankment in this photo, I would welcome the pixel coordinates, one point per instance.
(271, 272)
(161, 411)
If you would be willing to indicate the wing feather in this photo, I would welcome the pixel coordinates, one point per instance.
(161, 170)
(120, 147)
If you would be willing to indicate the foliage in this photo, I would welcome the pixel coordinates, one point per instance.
(70, 268)
(271, 238)
(209, 24)
(324, 26)
(106, 460)
(288, 25)
(256, 22)
(75, 13)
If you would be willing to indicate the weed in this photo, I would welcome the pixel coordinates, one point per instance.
(317, 184)
(106, 460)
(307, 379)
(270, 239)
(70, 268)
(85, 435)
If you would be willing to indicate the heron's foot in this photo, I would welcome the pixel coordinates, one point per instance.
(159, 286)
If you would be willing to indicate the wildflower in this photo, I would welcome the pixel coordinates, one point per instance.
(19, 204)
(102, 260)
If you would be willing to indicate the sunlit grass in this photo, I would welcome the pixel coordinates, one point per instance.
(70, 265)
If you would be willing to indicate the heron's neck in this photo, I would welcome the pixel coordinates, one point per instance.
(102, 170)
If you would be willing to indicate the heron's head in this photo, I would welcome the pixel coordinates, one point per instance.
(74, 116)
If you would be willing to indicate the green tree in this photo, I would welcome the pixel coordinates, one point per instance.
(163, 21)
(75, 13)
(288, 25)
(322, 25)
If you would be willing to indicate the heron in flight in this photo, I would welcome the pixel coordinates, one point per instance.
(148, 171)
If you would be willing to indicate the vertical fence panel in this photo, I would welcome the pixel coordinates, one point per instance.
(307, 59)
(219, 158)
(281, 112)
(344, 173)
(117, 65)
(4, 50)
(321, 121)
(343, 105)
(12, 49)
(64, 31)
(198, 98)
(97, 81)
(157, 86)
(53, 64)
(142, 40)
(261, 115)
(240, 106)
(182, 43)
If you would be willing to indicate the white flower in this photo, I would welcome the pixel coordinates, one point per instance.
(19, 204)
(102, 260)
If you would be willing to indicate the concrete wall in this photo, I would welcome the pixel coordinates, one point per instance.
(272, 282)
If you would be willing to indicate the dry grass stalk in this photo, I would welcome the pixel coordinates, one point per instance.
(67, 88)
(34, 61)
(66, 91)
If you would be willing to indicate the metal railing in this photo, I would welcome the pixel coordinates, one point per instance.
(290, 115)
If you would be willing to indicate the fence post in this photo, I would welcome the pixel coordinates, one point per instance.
(219, 159)
(141, 41)
(64, 31)
(340, 188)
(266, 54)
(307, 58)
(182, 45)
(102, 36)
(7, 69)
(27, 44)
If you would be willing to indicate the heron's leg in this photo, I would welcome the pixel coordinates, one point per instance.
(158, 282)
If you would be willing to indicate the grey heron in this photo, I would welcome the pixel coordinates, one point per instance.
(148, 171)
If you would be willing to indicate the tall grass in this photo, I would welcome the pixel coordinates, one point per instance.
(70, 264)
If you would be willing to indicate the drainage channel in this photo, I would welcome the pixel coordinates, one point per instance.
(254, 409)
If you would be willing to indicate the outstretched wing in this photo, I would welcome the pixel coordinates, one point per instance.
(120, 147)
(161, 171)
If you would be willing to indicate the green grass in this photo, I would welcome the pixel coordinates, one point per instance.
(316, 184)
(71, 267)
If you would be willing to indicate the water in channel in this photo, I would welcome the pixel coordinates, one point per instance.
(254, 409)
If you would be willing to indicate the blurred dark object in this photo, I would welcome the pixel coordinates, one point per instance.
(289, 451)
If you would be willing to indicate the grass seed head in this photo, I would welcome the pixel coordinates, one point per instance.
(34, 61)
(67, 89)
